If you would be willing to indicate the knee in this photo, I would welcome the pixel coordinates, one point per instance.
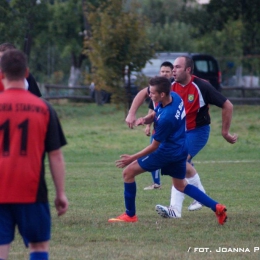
(127, 174)
(190, 170)
(180, 185)
(39, 247)
(179, 188)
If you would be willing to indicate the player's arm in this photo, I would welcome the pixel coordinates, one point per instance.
(147, 129)
(227, 111)
(148, 119)
(57, 168)
(137, 102)
(126, 159)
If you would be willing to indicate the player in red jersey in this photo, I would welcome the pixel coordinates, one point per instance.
(30, 81)
(29, 128)
(197, 94)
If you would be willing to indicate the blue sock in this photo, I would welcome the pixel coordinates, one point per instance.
(39, 256)
(200, 196)
(156, 177)
(129, 194)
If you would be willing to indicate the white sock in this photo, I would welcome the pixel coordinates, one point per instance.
(195, 180)
(177, 198)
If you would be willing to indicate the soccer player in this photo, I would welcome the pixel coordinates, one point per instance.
(165, 71)
(30, 83)
(29, 128)
(167, 152)
(197, 94)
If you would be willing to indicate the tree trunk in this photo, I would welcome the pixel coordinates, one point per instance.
(98, 97)
(74, 76)
(75, 71)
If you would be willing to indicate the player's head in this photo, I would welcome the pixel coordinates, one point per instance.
(6, 47)
(189, 64)
(13, 65)
(166, 69)
(183, 69)
(159, 87)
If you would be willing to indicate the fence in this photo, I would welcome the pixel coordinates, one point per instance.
(242, 95)
(237, 95)
(65, 92)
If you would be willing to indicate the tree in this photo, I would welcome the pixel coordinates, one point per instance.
(118, 41)
(167, 28)
(173, 37)
(65, 28)
(21, 21)
(215, 16)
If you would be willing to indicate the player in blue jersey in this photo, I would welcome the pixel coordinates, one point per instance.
(165, 71)
(167, 152)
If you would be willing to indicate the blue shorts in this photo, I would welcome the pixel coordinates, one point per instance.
(197, 139)
(33, 221)
(155, 161)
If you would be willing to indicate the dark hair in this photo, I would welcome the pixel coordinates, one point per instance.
(6, 46)
(13, 64)
(161, 84)
(167, 64)
(188, 63)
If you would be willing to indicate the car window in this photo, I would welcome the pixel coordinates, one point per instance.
(201, 65)
(212, 66)
(205, 66)
(152, 67)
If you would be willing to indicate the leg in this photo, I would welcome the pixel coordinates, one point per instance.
(4, 251)
(7, 229)
(177, 197)
(175, 208)
(195, 193)
(156, 181)
(155, 176)
(39, 251)
(193, 178)
(196, 139)
(129, 174)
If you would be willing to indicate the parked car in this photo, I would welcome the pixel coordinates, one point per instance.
(205, 66)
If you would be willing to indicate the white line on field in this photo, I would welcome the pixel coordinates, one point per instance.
(236, 161)
(195, 162)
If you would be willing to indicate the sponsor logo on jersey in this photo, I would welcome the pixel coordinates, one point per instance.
(190, 98)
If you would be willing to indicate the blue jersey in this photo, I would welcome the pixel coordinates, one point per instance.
(170, 127)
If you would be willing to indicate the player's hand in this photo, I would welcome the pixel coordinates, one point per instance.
(231, 138)
(124, 160)
(130, 120)
(61, 204)
(139, 121)
(147, 130)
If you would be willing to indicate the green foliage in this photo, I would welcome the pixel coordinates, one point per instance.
(218, 14)
(118, 41)
(21, 21)
(162, 12)
(65, 26)
(171, 36)
(226, 42)
(61, 40)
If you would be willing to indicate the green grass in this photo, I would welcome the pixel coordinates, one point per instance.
(96, 137)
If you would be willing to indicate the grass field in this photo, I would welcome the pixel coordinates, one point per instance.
(96, 137)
